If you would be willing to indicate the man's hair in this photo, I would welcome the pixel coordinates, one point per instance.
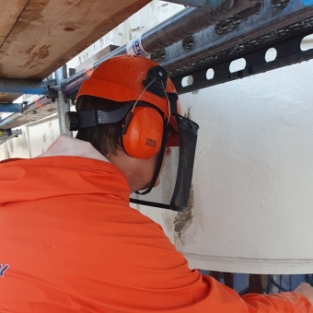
(105, 138)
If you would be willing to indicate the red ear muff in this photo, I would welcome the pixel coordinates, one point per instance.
(142, 132)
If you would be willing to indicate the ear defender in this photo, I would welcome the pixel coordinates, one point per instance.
(142, 132)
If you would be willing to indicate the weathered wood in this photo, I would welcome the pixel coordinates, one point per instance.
(39, 36)
(10, 10)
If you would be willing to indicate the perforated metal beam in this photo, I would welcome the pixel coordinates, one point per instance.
(288, 52)
(270, 24)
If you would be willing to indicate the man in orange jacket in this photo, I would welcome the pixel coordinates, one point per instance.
(69, 240)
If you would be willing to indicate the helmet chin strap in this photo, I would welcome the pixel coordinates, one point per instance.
(159, 161)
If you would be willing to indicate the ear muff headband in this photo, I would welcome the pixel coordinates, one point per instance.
(142, 132)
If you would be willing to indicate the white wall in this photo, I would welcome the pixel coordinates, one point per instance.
(253, 180)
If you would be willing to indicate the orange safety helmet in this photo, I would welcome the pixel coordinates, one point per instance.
(121, 79)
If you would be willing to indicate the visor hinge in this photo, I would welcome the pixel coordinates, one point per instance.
(155, 81)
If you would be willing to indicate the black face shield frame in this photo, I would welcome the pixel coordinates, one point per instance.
(188, 134)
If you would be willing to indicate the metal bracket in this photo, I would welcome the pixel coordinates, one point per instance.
(53, 89)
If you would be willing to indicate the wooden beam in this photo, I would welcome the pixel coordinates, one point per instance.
(10, 11)
(48, 33)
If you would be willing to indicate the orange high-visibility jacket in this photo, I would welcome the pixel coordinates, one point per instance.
(69, 242)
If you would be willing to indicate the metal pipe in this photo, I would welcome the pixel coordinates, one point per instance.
(177, 27)
(24, 107)
(23, 86)
(11, 107)
(36, 104)
(63, 104)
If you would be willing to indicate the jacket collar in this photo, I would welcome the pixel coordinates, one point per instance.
(69, 146)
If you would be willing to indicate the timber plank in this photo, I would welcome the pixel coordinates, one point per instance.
(48, 33)
(10, 11)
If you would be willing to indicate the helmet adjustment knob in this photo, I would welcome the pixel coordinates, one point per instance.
(71, 121)
(156, 81)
